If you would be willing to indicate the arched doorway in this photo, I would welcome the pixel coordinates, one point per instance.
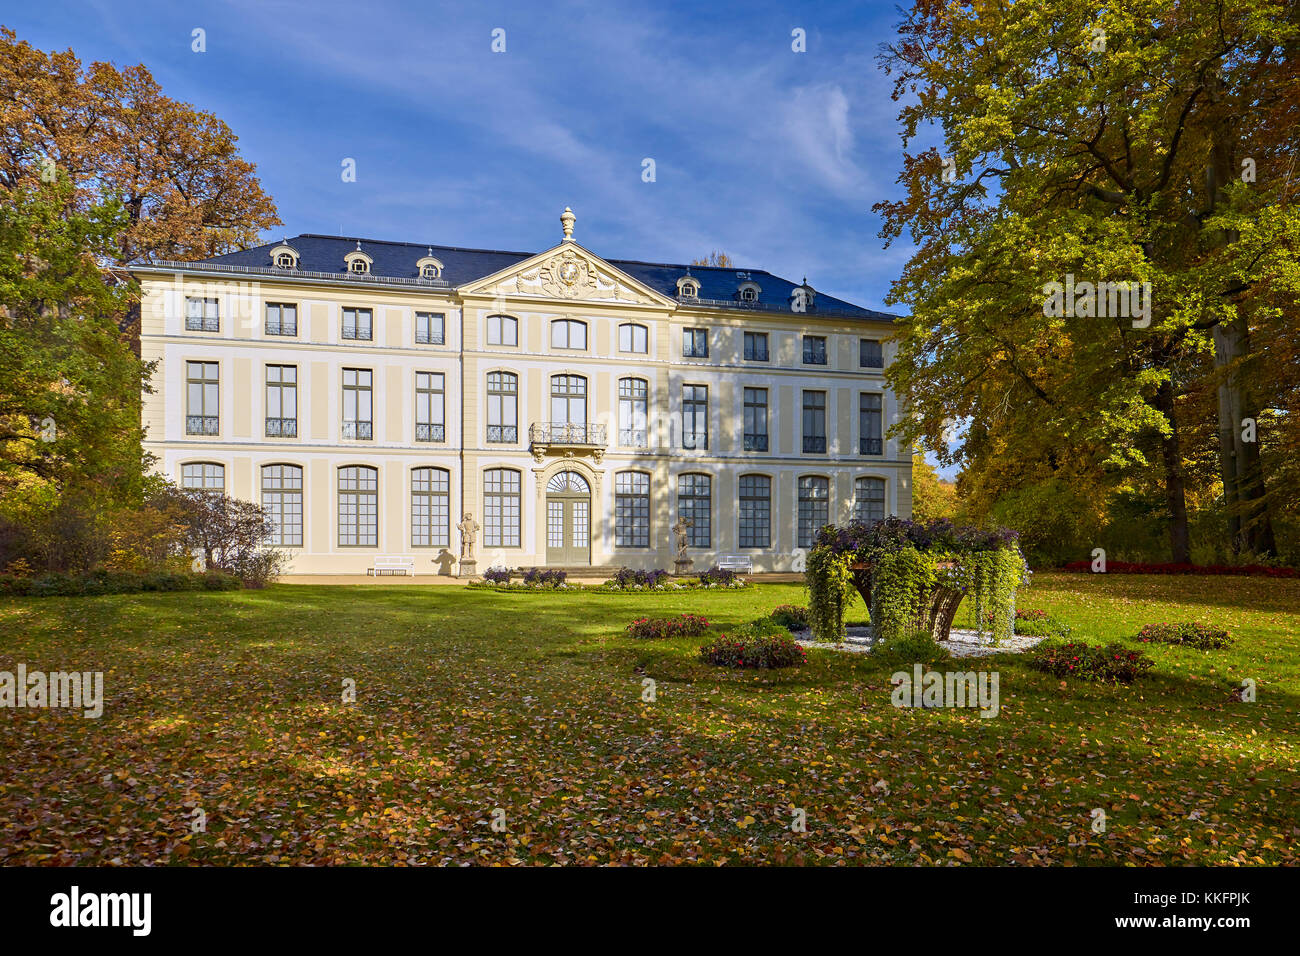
(568, 519)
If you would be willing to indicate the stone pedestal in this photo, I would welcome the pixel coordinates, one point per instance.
(468, 568)
(682, 566)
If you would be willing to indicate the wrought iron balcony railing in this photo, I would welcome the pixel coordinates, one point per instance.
(360, 430)
(566, 433)
(201, 425)
(632, 437)
(814, 444)
(502, 434)
(872, 446)
(426, 431)
(282, 428)
(755, 443)
(202, 323)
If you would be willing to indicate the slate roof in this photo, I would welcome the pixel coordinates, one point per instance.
(324, 254)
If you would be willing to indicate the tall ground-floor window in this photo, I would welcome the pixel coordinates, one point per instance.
(631, 509)
(430, 508)
(501, 502)
(695, 501)
(814, 508)
(869, 500)
(755, 511)
(282, 499)
(358, 507)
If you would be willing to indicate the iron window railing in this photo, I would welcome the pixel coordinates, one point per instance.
(632, 437)
(566, 433)
(361, 430)
(426, 431)
(814, 444)
(755, 443)
(282, 428)
(503, 433)
(872, 446)
(201, 425)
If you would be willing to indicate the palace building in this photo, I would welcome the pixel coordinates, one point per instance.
(369, 394)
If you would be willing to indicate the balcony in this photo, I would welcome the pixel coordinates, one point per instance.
(427, 431)
(871, 446)
(814, 444)
(567, 438)
(201, 425)
(360, 431)
(282, 428)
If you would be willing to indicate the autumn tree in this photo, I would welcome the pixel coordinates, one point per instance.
(112, 133)
(1109, 148)
(715, 258)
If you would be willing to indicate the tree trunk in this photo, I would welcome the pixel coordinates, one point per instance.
(1175, 484)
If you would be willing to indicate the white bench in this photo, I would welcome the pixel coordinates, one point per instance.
(736, 562)
(392, 564)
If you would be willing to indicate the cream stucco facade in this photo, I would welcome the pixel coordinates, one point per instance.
(225, 367)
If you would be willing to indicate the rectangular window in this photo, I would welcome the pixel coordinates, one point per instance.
(281, 318)
(282, 499)
(201, 315)
(501, 501)
(632, 401)
(429, 407)
(695, 416)
(755, 511)
(502, 330)
(631, 510)
(755, 419)
(430, 508)
(632, 338)
(281, 401)
(201, 387)
(502, 407)
(204, 476)
(568, 334)
(695, 343)
(869, 500)
(814, 422)
(358, 507)
(755, 346)
(695, 503)
(814, 509)
(814, 350)
(429, 328)
(358, 324)
(357, 403)
(871, 439)
(869, 354)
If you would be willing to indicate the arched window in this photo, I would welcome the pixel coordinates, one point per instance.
(748, 291)
(632, 338)
(814, 508)
(430, 508)
(282, 499)
(358, 507)
(502, 407)
(429, 267)
(204, 476)
(501, 508)
(357, 262)
(755, 511)
(633, 396)
(869, 500)
(568, 400)
(631, 509)
(502, 330)
(568, 334)
(688, 287)
(695, 502)
(285, 260)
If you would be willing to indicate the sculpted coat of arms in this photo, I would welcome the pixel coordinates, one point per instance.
(567, 276)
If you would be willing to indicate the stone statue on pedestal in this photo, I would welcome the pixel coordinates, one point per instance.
(468, 529)
(683, 563)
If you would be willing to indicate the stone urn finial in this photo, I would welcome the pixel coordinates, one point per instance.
(567, 219)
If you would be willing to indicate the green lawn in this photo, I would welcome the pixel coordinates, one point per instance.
(468, 701)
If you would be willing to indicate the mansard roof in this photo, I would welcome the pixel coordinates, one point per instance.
(398, 260)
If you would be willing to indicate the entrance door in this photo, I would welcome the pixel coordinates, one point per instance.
(568, 520)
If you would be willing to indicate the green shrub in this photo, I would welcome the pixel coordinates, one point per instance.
(746, 650)
(916, 648)
(688, 625)
(115, 582)
(1187, 634)
(1111, 663)
(791, 616)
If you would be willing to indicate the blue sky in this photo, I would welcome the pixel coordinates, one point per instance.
(772, 156)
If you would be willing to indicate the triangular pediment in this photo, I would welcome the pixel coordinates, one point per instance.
(571, 273)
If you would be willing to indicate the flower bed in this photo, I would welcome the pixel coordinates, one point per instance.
(1136, 567)
(751, 650)
(534, 579)
(687, 625)
(791, 616)
(1112, 663)
(1187, 634)
(1033, 622)
(114, 582)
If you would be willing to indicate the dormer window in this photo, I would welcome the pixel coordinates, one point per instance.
(357, 262)
(284, 256)
(688, 287)
(748, 292)
(429, 267)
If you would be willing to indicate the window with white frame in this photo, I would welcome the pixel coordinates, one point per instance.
(202, 314)
(631, 509)
(358, 507)
(429, 328)
(501, 508)
(203, 476)
(282, 500)
(202, 391)
(502, 407)
(568, 334)
(430, 508)
(358, 324)
(502, 330)
(633, 395)
(429, 407)
(633, 338)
